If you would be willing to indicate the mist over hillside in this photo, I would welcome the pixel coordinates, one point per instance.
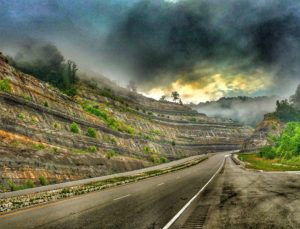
(244, 109)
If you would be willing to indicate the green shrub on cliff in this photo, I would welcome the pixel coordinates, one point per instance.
(74, 128)
(21, 116)
(38, 146)
(286, 146)
(5, 86)
(110, 154)
(163, 160)
(92, 149)
(15, 187)
(46, 104)
(26, 97)
(91, 132)
(29, 184)
(43, 180)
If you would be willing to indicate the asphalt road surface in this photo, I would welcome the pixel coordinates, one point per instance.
(239, 198)
(149, 203)
(236, 198)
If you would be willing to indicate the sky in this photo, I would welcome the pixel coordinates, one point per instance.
(204, 49)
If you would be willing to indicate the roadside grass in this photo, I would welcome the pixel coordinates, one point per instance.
(254, 161)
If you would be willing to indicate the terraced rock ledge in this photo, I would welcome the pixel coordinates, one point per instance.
(57, 192)
(47, 137)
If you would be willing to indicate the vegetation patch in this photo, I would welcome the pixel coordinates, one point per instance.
(286, 146)
(38, 146)
(57, 125)
(107, 92)
(154, 156)
(43, 180)
(26, 97)
(49, 65)
(21, 116)
(46, 104)
(15, 187)
(92, 149)
(282, 153)
(254, 161)
(91, 132)
(163, 159)
(110, 121)
(74, 128)
(110, 153)
(286, 112)
(5, 86)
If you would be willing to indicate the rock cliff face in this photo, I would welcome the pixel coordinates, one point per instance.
(270, 125)
(130, 131)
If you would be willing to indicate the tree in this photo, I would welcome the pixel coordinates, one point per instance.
(48, 64)
(286, 112)
(180, 102)
(71, 72)
(175, 96)
(132, 86)
(163, 98)
(295, 99)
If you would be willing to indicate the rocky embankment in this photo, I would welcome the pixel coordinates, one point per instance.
(101, 130)
(269, 126)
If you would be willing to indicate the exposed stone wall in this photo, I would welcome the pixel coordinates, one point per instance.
(270, 125)
(35, 110)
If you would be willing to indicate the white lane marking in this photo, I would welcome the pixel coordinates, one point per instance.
(122, 197)
(194, 197)
(160, 184)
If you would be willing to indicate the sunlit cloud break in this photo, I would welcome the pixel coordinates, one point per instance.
(213, 87)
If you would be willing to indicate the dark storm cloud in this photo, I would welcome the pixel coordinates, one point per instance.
(157, 42)
(159, 37)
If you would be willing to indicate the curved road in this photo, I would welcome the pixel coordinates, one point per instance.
(149, 203)
(236, 198)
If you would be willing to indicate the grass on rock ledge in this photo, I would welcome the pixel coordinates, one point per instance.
(111, 122)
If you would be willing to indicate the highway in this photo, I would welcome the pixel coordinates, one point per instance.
(235, 198)
(149, 203)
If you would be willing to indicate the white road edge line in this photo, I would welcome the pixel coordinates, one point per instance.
(122, 197)
(160, 184)
(194, 197)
